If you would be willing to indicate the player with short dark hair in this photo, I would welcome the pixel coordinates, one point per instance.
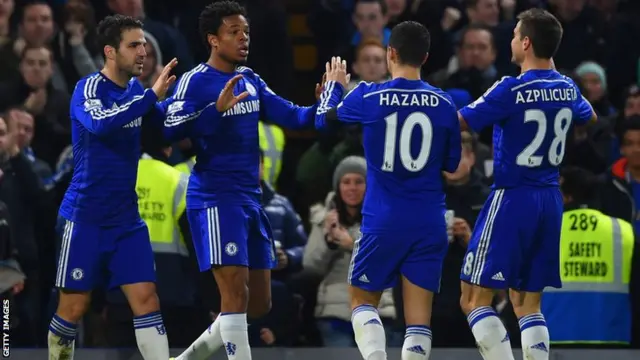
(515, 243)
(411, 134)
(103, 230)
(231, 232)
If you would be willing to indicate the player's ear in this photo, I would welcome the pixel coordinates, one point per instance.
(109, 52)
(425, 58)
(526, 43)
(212, 40)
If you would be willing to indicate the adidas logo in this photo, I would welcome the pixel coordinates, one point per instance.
(417, 349)
(498, 276)
(363, 278)
(540, 346)
(373, 322)
(506, 338)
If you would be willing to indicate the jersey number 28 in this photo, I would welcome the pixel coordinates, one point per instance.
(561, 124)
(410, 163)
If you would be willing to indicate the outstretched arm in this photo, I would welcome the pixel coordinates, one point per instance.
(96, 118)
(283, 112)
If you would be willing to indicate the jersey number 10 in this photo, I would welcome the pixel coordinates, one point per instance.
(561, 125)
(408, 161)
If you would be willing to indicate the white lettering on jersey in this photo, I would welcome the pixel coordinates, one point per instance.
(415, 99)
(546, 95)
(134, 124)
(244, 107)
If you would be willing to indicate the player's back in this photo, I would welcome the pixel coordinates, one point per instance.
(226, 145)
(411, 134)
(532, 114)
(102, 189)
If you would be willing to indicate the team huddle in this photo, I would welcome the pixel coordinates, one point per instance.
(411, 135)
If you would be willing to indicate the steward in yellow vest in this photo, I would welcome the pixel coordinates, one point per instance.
(594, 305)
(272, 141)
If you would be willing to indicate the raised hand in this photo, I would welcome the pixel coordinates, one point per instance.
(336, 70)
(226, 99)
(164, 81)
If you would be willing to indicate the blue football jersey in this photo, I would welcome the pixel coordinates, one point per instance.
(411, 134)
(106, 121)
(226, 144)
(531, 116)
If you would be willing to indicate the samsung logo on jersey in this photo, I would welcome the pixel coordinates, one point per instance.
(415, 99)
(549, 95)
(244, 107)
(134, 124)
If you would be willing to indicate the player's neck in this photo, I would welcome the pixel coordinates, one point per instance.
(634, 173)
(117, 77)
(220, 64)
(536, 64)
(406, 72)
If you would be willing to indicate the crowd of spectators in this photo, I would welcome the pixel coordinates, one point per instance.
(314, 204)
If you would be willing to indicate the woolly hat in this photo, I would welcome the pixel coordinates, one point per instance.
(349, 165)
(590, 67)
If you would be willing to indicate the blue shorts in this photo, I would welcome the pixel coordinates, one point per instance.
(232, 235)
(378, 260)
(92, 256)
(516, 241)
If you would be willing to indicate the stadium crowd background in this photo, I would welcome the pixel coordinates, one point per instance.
(47, 46)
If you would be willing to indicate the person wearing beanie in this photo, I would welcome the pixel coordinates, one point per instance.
(334, 227)
(594, 80)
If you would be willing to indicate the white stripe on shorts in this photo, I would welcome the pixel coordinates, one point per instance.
(352, 263)
(63, 260)
(213, 230)
(485, 237)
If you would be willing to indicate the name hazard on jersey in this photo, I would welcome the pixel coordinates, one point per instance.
(244, 107)
(415, 99)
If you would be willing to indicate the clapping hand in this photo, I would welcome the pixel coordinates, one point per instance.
(320, 86)
(165, 80)
(336, 70)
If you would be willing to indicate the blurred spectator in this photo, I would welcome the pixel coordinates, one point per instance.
(287, 230)
(475, 71)
(161, 199)
(25, 128)
(370, 63)
(335, 226)
(620, 188)
(631, 108)
(600, 268)
(12, 276)
(6, 42)
(279, 326)
(29, 207)
(152, 62)
(6, 10)
(313, 175)
(594, 80)
(370, 19)
(583, 36)
(171, 42)
(484, 12)
(465, 194)
(75, 50)
(50, 107)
